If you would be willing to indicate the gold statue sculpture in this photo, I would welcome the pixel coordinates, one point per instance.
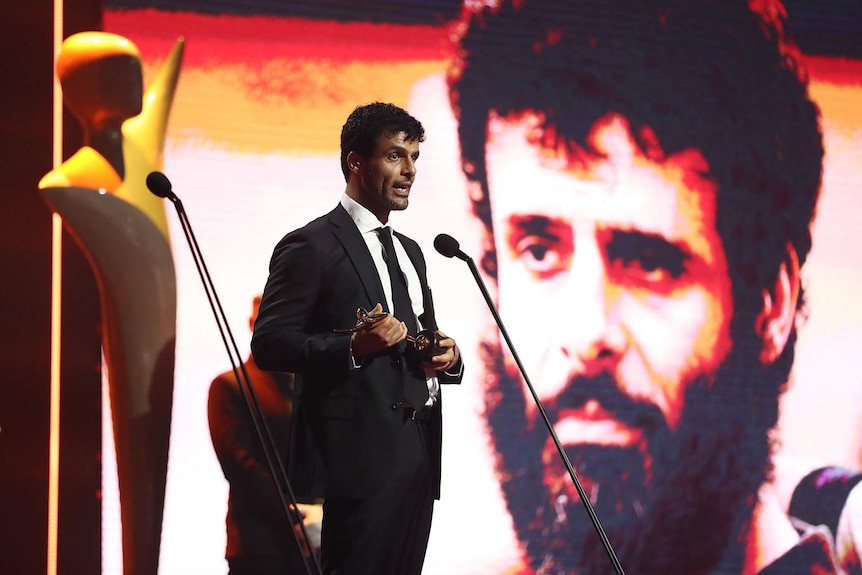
(101, 195)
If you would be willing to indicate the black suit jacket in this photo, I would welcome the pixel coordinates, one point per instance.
(256, 523)
(347, 422)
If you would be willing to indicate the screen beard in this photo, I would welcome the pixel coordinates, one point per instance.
(680, 505)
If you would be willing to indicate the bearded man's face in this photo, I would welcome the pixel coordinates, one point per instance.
(611, 271)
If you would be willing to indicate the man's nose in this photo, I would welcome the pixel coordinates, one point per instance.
(591, 334)
(408, 167)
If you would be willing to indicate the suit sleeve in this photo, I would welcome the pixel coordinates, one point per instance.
(284, 337)
(454, 375)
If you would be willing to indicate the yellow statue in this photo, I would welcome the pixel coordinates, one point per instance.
(101, 195)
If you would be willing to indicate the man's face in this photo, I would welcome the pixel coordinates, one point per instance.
(387, 175)
(611, 265)
(613, 277)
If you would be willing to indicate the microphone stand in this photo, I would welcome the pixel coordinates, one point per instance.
(448, 247)
(159, 185)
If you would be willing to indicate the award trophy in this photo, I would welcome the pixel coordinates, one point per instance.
(426, 343)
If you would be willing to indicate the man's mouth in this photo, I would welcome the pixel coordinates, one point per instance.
(402, 189)
(593, 424)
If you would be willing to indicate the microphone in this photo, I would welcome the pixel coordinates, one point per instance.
(448, 246)
(160, 185)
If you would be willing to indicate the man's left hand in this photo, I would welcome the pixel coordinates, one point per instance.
(448, 358)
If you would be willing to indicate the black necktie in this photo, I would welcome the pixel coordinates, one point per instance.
(416, 388)
(400, 297)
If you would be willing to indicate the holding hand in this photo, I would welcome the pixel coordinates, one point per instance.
(378, 336)
(448, 358)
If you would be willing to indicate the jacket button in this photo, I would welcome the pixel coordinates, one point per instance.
(397, 405)
(396, 363)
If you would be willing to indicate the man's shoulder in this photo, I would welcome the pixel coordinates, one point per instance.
(225, 385)
(224, 391)
(224, 381)
(307, 237)
(320, 222)
(228, 379)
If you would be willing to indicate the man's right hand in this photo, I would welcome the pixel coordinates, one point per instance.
(381, 335)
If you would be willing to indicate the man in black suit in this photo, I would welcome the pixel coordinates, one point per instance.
(367, 410)
(259, 538)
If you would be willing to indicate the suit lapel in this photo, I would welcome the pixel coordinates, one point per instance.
(357, 251)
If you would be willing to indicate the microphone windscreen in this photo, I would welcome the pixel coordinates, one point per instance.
(159, 184)
(446, 245)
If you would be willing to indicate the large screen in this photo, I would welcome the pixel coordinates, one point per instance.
(253, 152)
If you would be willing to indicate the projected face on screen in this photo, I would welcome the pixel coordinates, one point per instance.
(620, 212)
(618, 258)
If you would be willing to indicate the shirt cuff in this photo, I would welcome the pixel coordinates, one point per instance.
(457, 373)
(352, 364)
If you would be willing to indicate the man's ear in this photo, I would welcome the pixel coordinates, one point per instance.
(354, 162)
(778, 315)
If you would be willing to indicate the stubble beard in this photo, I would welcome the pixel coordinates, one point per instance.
(396, 203)
(380, 198)
(677, 504)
